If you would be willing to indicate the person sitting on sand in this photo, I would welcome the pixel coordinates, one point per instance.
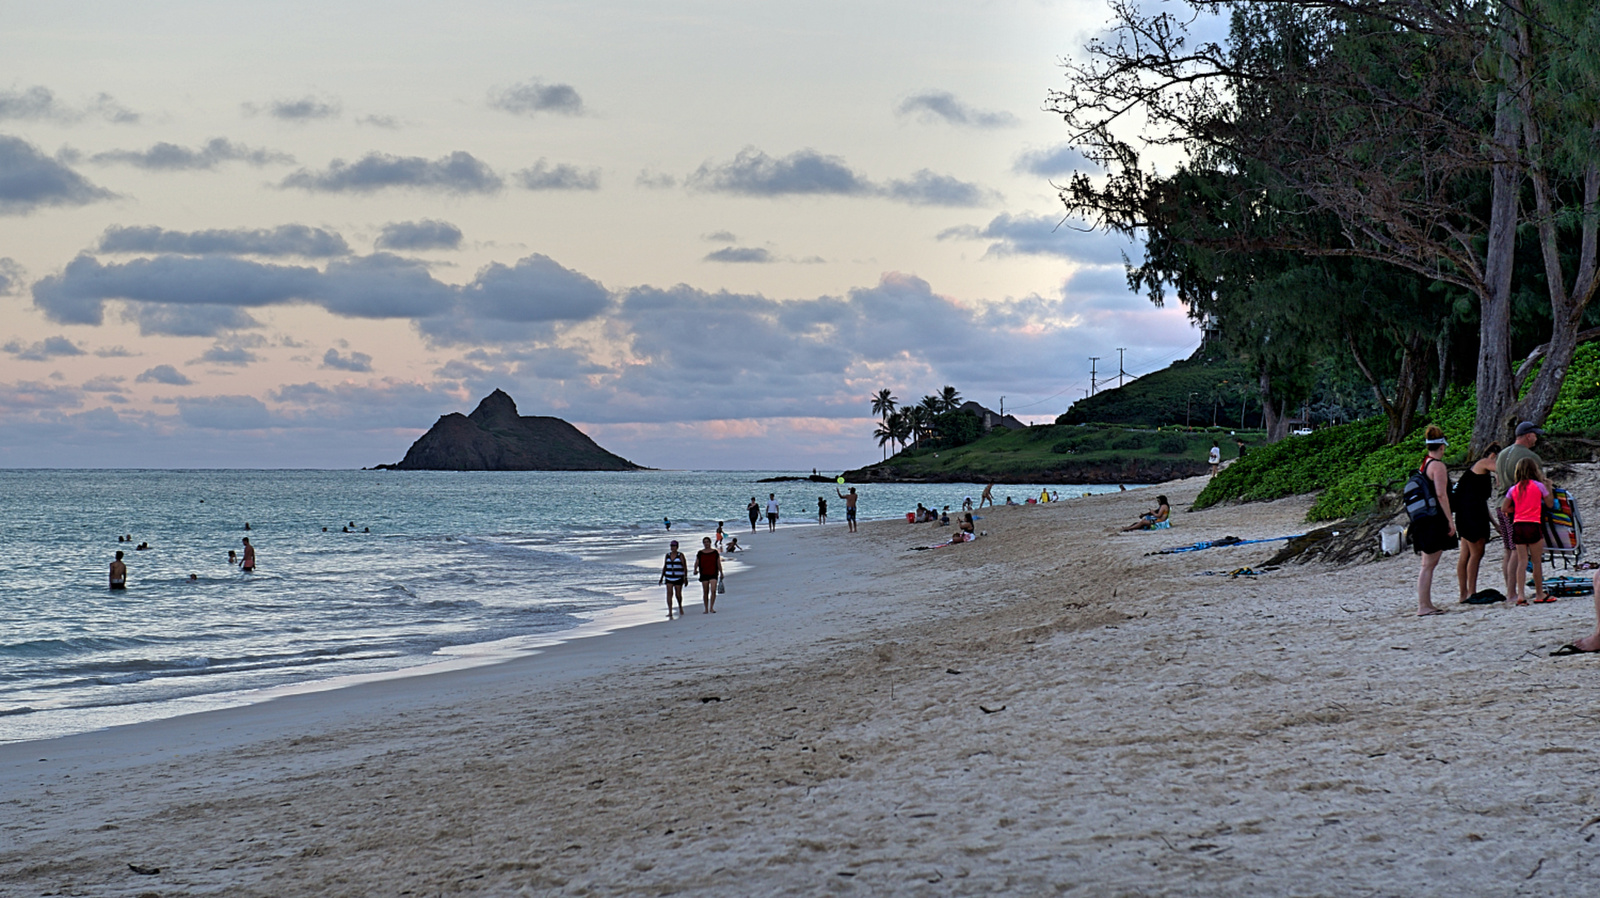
(1149, 519)
(732, 546)
(1590, 643)
(1431, 536)
(1525, 502)
(1009, 501)
(944, 517)
(966, 523)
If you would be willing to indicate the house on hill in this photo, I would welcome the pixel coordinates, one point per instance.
(991, 419)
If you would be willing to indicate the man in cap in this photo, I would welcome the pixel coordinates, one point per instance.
(1505, 469)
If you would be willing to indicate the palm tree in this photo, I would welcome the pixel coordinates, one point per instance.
(950, 398)
(885, 435)
(917, 420)
(883, 404)
(899, 424)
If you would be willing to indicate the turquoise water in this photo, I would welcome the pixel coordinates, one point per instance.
(452, 560)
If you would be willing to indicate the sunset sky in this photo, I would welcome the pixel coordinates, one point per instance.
(288, 234)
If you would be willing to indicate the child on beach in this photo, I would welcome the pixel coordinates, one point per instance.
(719, 534)
(1525, 503)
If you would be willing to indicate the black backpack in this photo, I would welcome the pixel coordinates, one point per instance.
(1420, 499)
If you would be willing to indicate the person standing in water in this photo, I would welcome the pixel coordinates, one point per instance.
(755, 512)
(119, 573)
(675, 573)
(708, 566)
(849, 507)
(248, 562)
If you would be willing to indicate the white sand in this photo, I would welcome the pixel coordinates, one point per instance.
(1162, 732)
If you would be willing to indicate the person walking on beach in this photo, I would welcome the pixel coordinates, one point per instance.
(247, 564)
(822, 510)
(1525, 502)
(849, 507)
(119, 573)
(1471, 503)
(719, 534)
(755, 512)
(988, 496)
(772, 512)
(674, 573)
(1505, 474)
(1215, 458)
(708, 567)
(1432, 535)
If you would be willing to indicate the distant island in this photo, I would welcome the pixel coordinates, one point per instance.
(495, 438)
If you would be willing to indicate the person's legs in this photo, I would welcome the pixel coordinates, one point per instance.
(1591, 643)
(707, 589)
(1467, 567)
(1508, 565)
(1536, 555)
(1425, 584)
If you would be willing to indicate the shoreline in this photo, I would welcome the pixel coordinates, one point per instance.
(1049, 709)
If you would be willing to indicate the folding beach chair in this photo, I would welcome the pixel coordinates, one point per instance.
(1563, 532)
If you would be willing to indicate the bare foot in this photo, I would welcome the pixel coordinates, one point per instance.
(1589, 643)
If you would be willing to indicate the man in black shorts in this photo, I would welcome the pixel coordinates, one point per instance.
(849, 507)
(708, 566)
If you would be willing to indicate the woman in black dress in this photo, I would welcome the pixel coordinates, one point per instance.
(1470, 499)
(1433, 535)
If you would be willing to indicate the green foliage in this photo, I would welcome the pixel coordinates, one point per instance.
(956, 428)
(1295, 465)
(1578, 406)
(1162, 397)
(1042, 448)
(1387, 466)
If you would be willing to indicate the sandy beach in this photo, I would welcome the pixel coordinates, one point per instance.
(1047, 710)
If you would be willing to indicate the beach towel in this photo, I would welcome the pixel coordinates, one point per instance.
(1567, 586)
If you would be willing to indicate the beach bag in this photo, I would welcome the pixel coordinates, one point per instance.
(1419, 497)
(721, 587)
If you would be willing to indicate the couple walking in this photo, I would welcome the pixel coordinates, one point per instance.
(707, 566)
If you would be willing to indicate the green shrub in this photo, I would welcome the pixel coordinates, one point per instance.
(1173, 444)
(1131, 442)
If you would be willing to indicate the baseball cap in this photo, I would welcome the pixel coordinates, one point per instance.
(674, 542)
(1528, 427)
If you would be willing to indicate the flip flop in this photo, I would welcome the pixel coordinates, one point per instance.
(1544, 601)
(1522, 602)
(1569, 649)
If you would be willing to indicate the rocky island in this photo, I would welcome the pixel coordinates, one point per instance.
(495, 438)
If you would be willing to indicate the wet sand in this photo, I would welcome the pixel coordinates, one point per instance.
(1047, 710)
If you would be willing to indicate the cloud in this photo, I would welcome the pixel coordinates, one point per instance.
(943, 106)
(928, 189)
(305, 109)
(355, 361)
(543, 176)
(42, 351)
(534, 97)
(29, 179)
(387, 122)
(171, 157)
(803, 172)
(284, 240)
(740, 254)
(40, 104)
(206, 294)
(164, 374)
(720, 237)
(105, 383)
(197, 320)
(459, 172)
(227, 413)
(11, 276)
(114, 352)
(807, 172)
(33, 396)
(1046, 235)
(1060, 159)
(654, 180)
(234, 350)
(419, 235)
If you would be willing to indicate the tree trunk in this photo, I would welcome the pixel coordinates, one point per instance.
(1272, 417)
(1497, 391)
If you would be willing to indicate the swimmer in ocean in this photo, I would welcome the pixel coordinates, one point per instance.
(248, 563)
(119, 573)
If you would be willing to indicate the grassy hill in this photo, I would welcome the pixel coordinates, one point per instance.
(1191, 391)
(1060, 453)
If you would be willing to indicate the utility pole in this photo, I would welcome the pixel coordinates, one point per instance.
(1092, 385)
(1120, 372)
(1187, 406)
(1002, 406)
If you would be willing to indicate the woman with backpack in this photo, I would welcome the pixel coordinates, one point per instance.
(1525, 503)
(1470, 498)
(1432, 534)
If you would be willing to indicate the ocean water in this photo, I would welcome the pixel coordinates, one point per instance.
(452, 561)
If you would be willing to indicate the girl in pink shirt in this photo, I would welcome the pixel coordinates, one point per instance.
(1526, 502)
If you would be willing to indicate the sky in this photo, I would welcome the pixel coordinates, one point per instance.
(292, 235)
